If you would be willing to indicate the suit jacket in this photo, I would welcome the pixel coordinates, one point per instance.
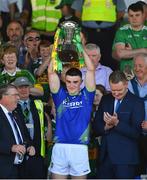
(7, 139)
(34, 167)
(121, 142)
(36, 141)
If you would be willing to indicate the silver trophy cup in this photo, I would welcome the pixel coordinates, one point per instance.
(68, 52)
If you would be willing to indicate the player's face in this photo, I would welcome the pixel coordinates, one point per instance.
(73, 84)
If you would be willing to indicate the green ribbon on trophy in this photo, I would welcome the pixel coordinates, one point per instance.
(67, 47)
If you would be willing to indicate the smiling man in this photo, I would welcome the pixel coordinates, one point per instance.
(118, 120)
(73, 108)
(12, 135)
(138, 86)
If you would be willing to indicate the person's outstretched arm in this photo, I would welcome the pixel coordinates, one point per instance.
(54, 81)
(90, 74)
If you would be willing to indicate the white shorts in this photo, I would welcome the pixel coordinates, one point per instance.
(70, 159)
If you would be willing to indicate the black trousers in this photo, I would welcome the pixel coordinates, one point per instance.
(107, 170)
(35, 168)
(15, 172)
(142, 169)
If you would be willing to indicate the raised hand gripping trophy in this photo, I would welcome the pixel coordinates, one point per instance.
(67, 48)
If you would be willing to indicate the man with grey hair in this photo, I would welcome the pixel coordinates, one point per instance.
(101, 72)
(14, 143)
(138, 86)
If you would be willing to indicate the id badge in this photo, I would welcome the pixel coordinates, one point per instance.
(29, 125)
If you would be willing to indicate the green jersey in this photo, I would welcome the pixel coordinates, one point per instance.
(6, 78)
(137, 39)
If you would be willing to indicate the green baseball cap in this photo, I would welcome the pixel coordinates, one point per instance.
(64, 2)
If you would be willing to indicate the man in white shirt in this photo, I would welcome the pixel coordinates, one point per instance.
(12, 135)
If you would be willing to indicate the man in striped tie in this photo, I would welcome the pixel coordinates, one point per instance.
(12, 135)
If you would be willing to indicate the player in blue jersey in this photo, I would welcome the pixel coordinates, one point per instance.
(73, 112)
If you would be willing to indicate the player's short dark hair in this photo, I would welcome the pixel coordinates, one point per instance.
(74, 72)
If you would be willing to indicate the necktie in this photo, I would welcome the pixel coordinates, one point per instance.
(117, 105)
(28, 119)
(26, 112)
(16, 128)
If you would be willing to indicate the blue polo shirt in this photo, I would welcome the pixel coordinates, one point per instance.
(73, 116)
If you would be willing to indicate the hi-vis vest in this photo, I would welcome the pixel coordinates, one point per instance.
(99, 10)
(39, 106)
(44, 15)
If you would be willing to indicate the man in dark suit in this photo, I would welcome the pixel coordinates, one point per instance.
(118, 120)
(32, 112)
(12, 135)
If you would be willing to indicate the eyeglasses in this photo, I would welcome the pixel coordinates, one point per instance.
(11, 94)
(33, 39)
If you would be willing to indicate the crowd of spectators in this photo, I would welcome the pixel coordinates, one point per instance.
(114, 41)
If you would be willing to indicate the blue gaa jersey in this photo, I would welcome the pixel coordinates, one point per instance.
(73, 114)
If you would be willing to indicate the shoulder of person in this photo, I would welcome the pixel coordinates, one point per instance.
(134, 97)
(107, 97)
(145, 27)
(124, 27)
(106, 68)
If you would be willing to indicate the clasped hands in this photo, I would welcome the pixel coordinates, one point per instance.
(144, 125)
(110, 120)
(21, 149)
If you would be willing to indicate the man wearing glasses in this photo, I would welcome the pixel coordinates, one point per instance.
(31, 41)
(12, 135)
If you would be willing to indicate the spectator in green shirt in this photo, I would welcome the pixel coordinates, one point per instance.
(131, 39)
